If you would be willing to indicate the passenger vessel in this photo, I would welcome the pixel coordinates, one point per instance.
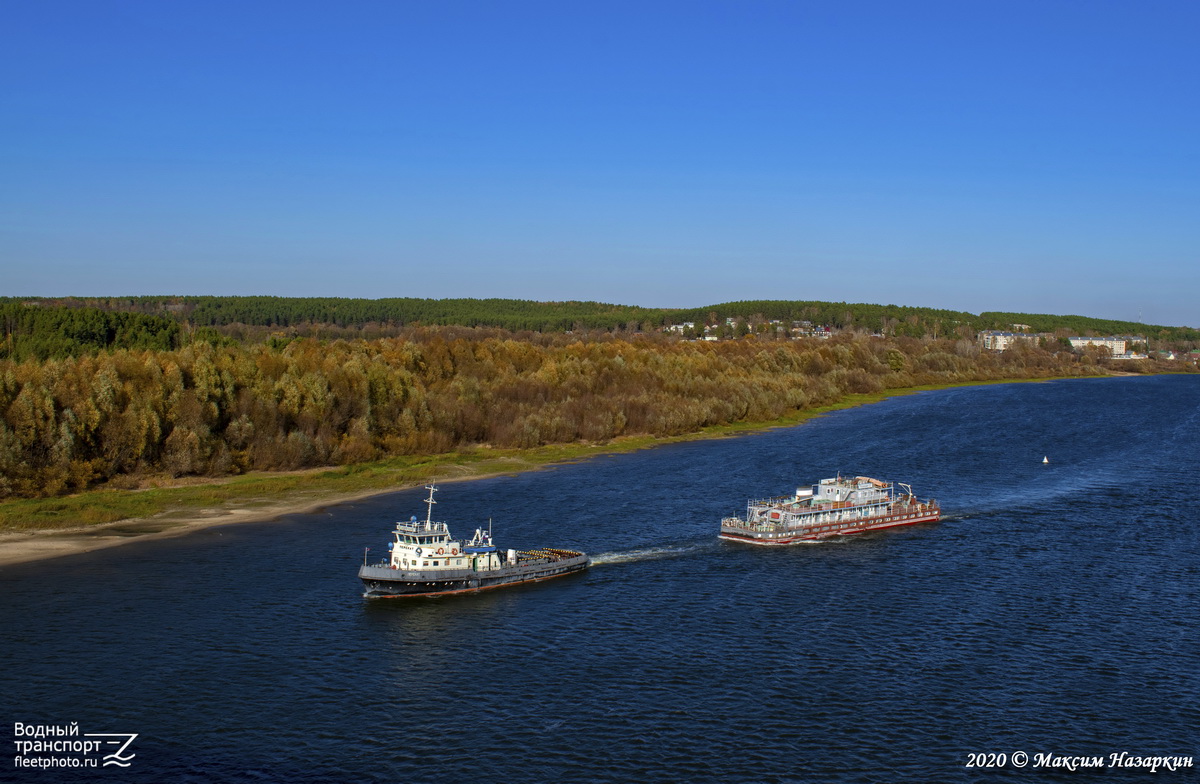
(832, 507)
(425, 560)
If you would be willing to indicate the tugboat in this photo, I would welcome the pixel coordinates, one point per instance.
(426, 561)
(833, 507)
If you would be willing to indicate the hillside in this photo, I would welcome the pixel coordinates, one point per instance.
(258, 319)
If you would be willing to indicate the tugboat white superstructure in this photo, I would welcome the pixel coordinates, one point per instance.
(833, 507)
(426, 561)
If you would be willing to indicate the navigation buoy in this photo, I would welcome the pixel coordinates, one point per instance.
(1045, 460)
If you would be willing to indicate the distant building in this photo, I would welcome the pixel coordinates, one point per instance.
(997, 340)
(805, 329)
(1113, 344)
(1117, 344)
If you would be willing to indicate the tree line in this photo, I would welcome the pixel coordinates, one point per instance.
(1176, 337)
(511, 314)
(258, 319)
(205, 409)
(41, 333)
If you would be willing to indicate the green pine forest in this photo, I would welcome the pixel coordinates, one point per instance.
(106, 391)
(35, 327)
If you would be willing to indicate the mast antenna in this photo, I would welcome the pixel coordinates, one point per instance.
(431, 502)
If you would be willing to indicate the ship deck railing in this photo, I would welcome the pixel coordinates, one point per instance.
(775, 525)
(779, 500)
(791, 504)
(460, 572)
(419, 527)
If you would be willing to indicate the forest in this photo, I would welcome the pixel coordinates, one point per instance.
(511, 314)
(103, 391)
(262, 319)
(215, 409)
(42, 333)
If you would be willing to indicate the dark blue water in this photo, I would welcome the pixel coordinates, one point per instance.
(1053, 611)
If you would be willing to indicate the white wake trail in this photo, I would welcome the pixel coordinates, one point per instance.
(654, 553)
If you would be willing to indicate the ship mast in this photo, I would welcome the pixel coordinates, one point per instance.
(430, 502)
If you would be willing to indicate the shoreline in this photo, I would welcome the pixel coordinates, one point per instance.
(17, 547)
(43, 543)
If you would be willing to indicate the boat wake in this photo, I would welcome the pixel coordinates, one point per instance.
(654, 553)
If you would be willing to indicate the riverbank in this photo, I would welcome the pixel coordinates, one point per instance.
(37, 529)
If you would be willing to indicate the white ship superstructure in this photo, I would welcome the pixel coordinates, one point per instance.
(426, 560)
(832, 507)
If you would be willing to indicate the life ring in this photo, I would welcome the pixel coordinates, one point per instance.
(418, 551)
(441, 550)
(454, 551)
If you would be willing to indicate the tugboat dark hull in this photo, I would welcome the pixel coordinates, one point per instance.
(384, 582)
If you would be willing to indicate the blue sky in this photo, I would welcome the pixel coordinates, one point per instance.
(973, 155)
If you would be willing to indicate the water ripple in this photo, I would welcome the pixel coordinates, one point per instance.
(1052, 610)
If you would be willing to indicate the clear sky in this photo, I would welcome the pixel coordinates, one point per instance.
(970, 154)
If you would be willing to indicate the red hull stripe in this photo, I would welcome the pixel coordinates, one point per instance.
(829, 534)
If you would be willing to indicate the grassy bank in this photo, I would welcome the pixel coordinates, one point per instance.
(330, 485)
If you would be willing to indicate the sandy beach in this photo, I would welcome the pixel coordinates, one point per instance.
(26, 546)
(38, 545)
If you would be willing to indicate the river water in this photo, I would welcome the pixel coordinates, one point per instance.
(1052, 611)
